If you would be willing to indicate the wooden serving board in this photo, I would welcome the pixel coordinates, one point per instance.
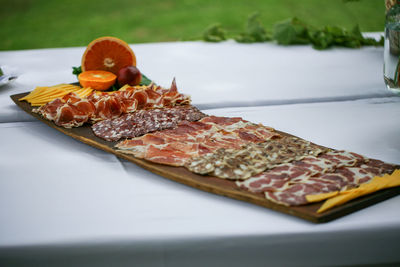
(212, 184)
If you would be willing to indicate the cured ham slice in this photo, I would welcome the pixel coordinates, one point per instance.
(140, 122)
(289, 183)
(278, 177)
(382, 166)
(174, 154)
(343, 158)
(295, 194)
(50, 110)
(70, 116)
(192, 139)
(343, 178)
(274, 179)
(182, 139)
(70, 111)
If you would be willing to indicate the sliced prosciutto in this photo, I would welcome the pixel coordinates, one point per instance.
(68, 111)
(191, 139)
(72, 111)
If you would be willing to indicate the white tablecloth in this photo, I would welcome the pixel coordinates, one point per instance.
(65, 203)
(220, 75)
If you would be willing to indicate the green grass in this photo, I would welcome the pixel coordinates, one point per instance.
(28, 24)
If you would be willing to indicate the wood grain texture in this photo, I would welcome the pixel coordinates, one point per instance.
(212, 184)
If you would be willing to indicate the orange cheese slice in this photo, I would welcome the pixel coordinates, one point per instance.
(338, 198)
(320, 197)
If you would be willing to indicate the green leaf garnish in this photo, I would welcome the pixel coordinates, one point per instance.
(145, 80)
(76, 70)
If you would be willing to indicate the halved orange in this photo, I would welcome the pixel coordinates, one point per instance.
(97, 79)
(109, 54)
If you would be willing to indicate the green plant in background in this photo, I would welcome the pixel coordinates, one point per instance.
(295, 31)
(25, 23)
(214, 33)
(255, 32)
(291, 31)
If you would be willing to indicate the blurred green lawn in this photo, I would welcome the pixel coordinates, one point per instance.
(28, 24)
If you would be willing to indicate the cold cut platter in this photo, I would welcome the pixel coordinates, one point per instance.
(230, 157)
(114, 107)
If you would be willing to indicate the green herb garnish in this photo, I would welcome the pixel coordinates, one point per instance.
(145, 80)
(76, 70)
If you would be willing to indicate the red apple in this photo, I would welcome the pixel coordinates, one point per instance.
(129, 75)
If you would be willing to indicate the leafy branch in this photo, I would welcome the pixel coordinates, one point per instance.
(214, 33)
(294, 31)
(254, 32)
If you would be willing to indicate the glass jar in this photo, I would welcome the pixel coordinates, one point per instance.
(391, 66)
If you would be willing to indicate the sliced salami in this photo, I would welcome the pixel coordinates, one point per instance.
(145, 121)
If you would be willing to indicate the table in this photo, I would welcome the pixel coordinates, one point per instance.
(65, 203)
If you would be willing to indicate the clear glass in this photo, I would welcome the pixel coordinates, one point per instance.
(391, 66)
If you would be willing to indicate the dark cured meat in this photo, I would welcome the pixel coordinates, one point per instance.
(144, 121)
(65, 112)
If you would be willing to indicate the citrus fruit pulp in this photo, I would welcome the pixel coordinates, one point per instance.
(108, 54)
(97, 79)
